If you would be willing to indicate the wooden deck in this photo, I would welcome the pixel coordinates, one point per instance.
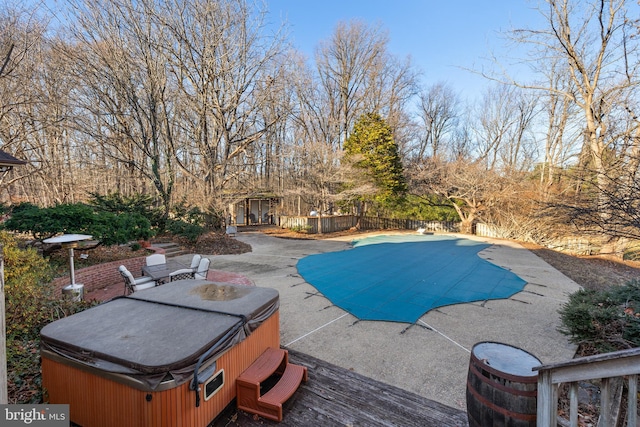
(335, 396)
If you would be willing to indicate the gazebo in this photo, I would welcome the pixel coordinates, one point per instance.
(252, 209)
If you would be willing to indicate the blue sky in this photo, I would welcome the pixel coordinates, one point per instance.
(442, 37)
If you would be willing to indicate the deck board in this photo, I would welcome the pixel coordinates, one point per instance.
(334, 396)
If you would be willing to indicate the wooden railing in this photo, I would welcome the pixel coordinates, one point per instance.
(609, 368)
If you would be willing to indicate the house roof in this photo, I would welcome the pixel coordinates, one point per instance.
(7, 159)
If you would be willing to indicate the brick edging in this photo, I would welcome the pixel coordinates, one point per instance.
(102, 275)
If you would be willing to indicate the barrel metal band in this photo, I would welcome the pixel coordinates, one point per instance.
(483, 378)
(496, 408)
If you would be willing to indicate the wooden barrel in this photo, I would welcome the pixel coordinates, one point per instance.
(502, 388)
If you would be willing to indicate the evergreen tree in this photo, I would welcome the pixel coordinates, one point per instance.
(372, 150)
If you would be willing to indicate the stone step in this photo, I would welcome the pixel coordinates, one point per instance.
(171, 250)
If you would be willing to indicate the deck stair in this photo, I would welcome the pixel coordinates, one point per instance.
(268, 404)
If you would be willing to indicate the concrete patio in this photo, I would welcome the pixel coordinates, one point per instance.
(429, 358)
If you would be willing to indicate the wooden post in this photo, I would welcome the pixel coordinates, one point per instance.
(4, 397)
(547, 400)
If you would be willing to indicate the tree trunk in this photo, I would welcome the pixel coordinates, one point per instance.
(466, 226)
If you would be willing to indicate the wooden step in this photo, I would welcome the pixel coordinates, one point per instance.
(286, 386)
(273, 362)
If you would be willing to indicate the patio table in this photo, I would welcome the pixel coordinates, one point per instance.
(160, 272)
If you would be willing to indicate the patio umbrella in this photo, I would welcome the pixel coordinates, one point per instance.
(70, 241)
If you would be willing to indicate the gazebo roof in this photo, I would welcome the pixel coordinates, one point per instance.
(7, 160)
(251, 195)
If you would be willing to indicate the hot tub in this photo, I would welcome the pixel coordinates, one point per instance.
(133, 361)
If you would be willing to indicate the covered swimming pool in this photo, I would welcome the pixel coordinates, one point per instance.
(399, 278)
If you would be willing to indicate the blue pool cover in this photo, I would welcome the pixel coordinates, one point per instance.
(399, 278)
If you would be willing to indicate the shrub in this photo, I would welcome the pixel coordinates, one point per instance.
(301, 228)
(23, 371)
(187, 221)
(429, 208)
(190, 214)
(107, 227)
(114, 229)
(29, 306)
(42, 223)
(605, 320)
(140, 204)
(185, 229)
(213, 218)
(25, 273)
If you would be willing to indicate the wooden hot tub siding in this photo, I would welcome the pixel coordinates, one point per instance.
(96, 401)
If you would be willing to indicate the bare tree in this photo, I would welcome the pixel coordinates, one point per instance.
(22, 48)
(312, 156)
(592, 43)
(439, 111)
(123, 89)
(487, 151)
(562, 134)
(12, 28)
(520, 150)
(345, 64)
(593, 47)
(392, 89)
(5, 58)
(504, 129)
(354, 74)
(470, 188)
(227, 72)
(315, 175)
(47, 125)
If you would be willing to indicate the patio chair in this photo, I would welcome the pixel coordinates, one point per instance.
(186, 273)
(183, 273)
(132, 284)
(203, 268)
(156, 259)
(195, 261)
(189, 273)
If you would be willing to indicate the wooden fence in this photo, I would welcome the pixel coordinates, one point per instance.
(486, 230)
(330, 224)
(572, 245)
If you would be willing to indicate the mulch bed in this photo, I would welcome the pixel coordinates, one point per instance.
(593, 272)
(212, 243)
